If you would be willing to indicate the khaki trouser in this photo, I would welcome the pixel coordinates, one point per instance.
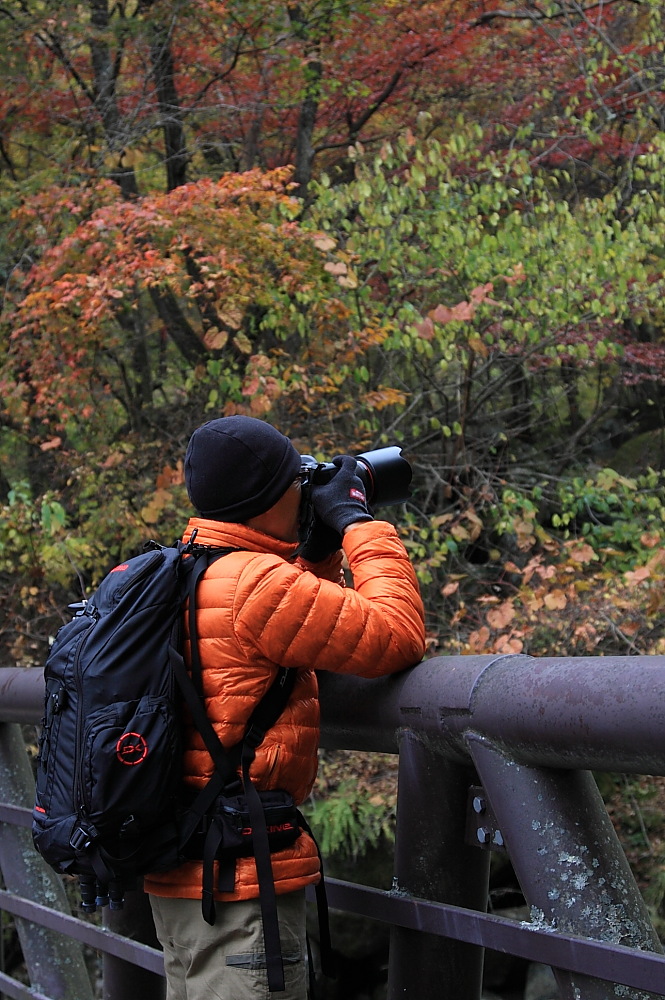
(227, 961)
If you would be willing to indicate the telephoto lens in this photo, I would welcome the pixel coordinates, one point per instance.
(385, 474)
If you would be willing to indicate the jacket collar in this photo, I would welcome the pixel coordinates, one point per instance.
(226, 534)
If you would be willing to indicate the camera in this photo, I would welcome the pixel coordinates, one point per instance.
(385, 474)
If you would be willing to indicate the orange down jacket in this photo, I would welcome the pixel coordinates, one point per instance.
(256, 611)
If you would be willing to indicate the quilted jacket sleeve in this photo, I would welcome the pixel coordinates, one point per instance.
(294, 618)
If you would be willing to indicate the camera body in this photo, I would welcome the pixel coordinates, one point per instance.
(385, 474)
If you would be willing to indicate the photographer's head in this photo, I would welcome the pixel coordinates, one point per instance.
(241, 469)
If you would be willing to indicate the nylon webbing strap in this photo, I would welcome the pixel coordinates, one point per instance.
(326, 956)
(267, 895)
(202, 560)
(263, 718)
(210, 848)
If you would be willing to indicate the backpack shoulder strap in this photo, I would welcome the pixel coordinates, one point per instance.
(263, 717)
(269, 708)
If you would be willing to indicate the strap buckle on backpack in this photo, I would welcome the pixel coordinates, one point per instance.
(82, 839)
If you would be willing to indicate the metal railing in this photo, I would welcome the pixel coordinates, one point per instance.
(495, 753)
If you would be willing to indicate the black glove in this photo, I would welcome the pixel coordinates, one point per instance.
(342, 501)
(321, 542)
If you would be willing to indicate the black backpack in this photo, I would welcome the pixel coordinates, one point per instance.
(110, 803)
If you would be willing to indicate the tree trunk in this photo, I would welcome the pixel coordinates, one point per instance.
(105, 74)
(170, 111)
(310, 104)
(179, 330)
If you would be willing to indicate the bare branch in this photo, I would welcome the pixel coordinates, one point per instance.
(534, 13)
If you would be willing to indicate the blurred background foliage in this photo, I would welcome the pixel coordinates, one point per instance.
(432, 224)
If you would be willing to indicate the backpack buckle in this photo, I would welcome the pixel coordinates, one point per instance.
(81, 839)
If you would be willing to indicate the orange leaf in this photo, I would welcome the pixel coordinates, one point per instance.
(478, 640)
(324, 243)
(215, 339)
(639, 575)
(508, 644)
(49, 445)
(518, 274)
(459, 313)
(425, 329)
(499, 617)
(170, 477)
(481, 293)
(582, 553)
(556, 600)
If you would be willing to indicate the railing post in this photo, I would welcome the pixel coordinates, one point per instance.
(567, 858)
(433, 861)
(55, 963)
(124, 979)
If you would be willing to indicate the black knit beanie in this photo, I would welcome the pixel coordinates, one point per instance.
(238, 467)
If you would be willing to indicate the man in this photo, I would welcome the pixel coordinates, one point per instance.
(259, 608)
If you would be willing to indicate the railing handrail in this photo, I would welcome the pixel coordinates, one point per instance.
(604, 713)
(522, 725)
(598, 713)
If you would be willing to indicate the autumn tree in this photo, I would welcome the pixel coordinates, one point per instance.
(446, 285)
(490, 333)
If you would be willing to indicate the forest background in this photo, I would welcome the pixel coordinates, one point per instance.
(439, 225)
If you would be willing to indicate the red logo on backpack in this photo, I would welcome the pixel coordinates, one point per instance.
(131, 749)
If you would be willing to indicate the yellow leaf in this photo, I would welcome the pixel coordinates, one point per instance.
(441, 519)
(152, 512)
(476, 525)
(243, 343)
(231, 316)
(478, 345)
